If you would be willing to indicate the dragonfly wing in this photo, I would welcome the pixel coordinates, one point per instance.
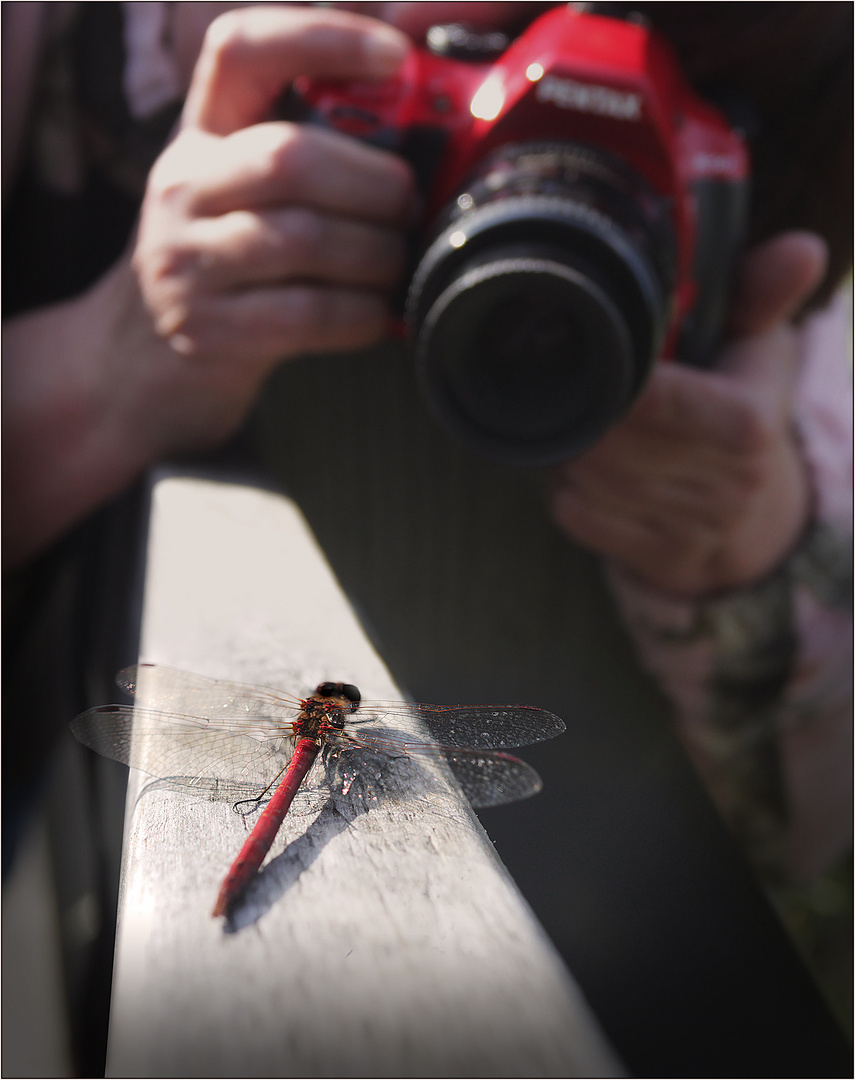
(186, 750)
(213, 788)
(493, 779)
(487, 778)
(161, 687)
(480, 727)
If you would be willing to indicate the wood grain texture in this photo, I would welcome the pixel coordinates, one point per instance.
(382, 937)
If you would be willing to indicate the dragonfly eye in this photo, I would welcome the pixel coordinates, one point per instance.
(351, 693)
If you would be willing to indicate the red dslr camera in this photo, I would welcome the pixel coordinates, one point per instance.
(583, 208)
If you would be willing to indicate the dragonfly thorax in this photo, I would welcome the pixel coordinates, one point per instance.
(327, 710)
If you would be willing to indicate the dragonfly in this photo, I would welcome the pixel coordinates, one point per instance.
(246, 740)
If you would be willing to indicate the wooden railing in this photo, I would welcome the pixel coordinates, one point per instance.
(390, 942)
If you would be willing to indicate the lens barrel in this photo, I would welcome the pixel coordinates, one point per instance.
(540, 306)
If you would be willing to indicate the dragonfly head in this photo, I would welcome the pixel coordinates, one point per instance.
(344, 694)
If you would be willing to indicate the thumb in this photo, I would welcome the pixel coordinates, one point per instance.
(250, 56)
(775, 279)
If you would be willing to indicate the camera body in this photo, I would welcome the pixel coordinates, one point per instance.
(583, 209)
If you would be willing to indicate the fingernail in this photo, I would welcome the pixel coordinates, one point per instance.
(182, 344)
(385, 50)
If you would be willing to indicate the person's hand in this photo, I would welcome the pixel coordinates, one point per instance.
(702, 487)
(260, 240)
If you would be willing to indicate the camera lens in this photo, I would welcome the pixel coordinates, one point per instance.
(525, 355)
(540, 306)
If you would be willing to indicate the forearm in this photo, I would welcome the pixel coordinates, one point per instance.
(760, 684)
(73, 417)
(815, 730)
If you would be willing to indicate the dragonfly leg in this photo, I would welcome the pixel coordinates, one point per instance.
(256, 801)
(252, 804)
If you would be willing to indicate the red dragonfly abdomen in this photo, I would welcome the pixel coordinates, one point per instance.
(259, 841)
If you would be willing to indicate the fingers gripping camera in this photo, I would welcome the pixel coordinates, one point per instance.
(583, 209)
